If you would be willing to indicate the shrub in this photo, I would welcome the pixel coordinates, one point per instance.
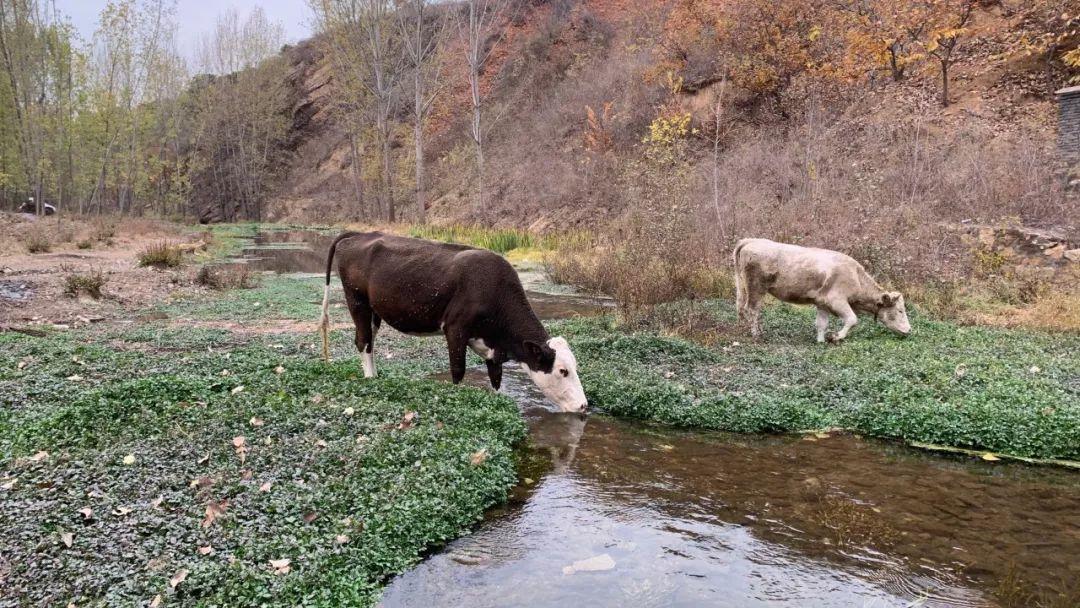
(89, 284)
(234, 276)
(85, 244)
(161, 255)
(37, 240)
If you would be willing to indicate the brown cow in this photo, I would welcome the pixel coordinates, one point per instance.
(471, 296)
(831, 281)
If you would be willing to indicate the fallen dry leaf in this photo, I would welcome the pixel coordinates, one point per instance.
(317, 398)
(42, 455)
(207, 550)
(321, 443)
(201, 482)
(238, 390)
(129, 459)
(204, 459)
(21, 364)
(310, 516)
(266, 486)
(478, 458)
(989, 457)
(225, 372)
(214, 510)
(75, 378)
(67, 538)
(87, 513)
(179, 577)
(246, 474)
(279, 370)
(280, 566)
(348, 411)
(341, 539)
(157, 501)
(256, 421)
(121, 511)
(240, 444)
(10, 484)
(407, 421)
(156, 602)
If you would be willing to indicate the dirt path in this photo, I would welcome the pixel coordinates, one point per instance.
(32, 285)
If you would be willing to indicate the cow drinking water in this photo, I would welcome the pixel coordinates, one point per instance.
(833, 282)
(471, 296)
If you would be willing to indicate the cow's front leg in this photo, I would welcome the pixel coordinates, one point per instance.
(456, 342)
(361, 313)
(822, 323)
(494, 373)
(844, 311)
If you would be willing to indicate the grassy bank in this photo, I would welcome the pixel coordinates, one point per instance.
(989, 389)
(186, 462)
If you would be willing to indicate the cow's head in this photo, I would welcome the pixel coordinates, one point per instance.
(892, 313)
(554, 370)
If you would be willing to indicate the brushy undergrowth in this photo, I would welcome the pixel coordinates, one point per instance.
(227, 276)
(989, 389)
(161, 255)
(89, 283)
(134, 458)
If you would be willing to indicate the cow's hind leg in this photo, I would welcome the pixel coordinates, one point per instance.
(843, 310)
(362, 317)
(822, 323)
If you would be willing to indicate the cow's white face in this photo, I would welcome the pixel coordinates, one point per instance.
(893, 313)
(561, 384)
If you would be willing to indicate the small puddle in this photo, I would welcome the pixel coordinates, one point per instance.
(661, 517)
(15, 292)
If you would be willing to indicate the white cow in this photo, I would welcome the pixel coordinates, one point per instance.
(833, 282)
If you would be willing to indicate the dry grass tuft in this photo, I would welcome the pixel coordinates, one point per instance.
(161, 255)
(85, 284)
(222, 277)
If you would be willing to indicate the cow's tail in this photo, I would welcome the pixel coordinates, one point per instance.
(324, 320)
(740, 280)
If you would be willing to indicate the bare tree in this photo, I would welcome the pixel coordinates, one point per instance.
(945, 40)
(365, 32)
(482, 31)
(421, 34)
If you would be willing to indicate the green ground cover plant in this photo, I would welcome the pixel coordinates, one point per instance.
(1007, 391)
(188, 463)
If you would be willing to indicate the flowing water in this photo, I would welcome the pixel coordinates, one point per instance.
(615, 513)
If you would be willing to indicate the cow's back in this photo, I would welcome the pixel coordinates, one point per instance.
(413, 284)
(794, 273)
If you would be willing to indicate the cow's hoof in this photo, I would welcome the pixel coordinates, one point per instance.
(832, 338)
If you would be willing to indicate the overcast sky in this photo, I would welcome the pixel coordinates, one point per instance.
(195, 17)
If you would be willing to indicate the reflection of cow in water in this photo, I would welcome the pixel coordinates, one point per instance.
(30, 207)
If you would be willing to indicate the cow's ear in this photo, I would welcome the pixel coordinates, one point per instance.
(886, 300)
(541, 354)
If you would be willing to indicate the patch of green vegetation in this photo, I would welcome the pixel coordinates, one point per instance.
(1000, 390)
(499, 240)
(161, 255)
(213, 453)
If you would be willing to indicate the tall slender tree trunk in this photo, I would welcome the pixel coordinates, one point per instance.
(944, 83)
(418, 139)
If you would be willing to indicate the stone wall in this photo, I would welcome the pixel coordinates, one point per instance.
(1069, 123)
(1020, 246)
